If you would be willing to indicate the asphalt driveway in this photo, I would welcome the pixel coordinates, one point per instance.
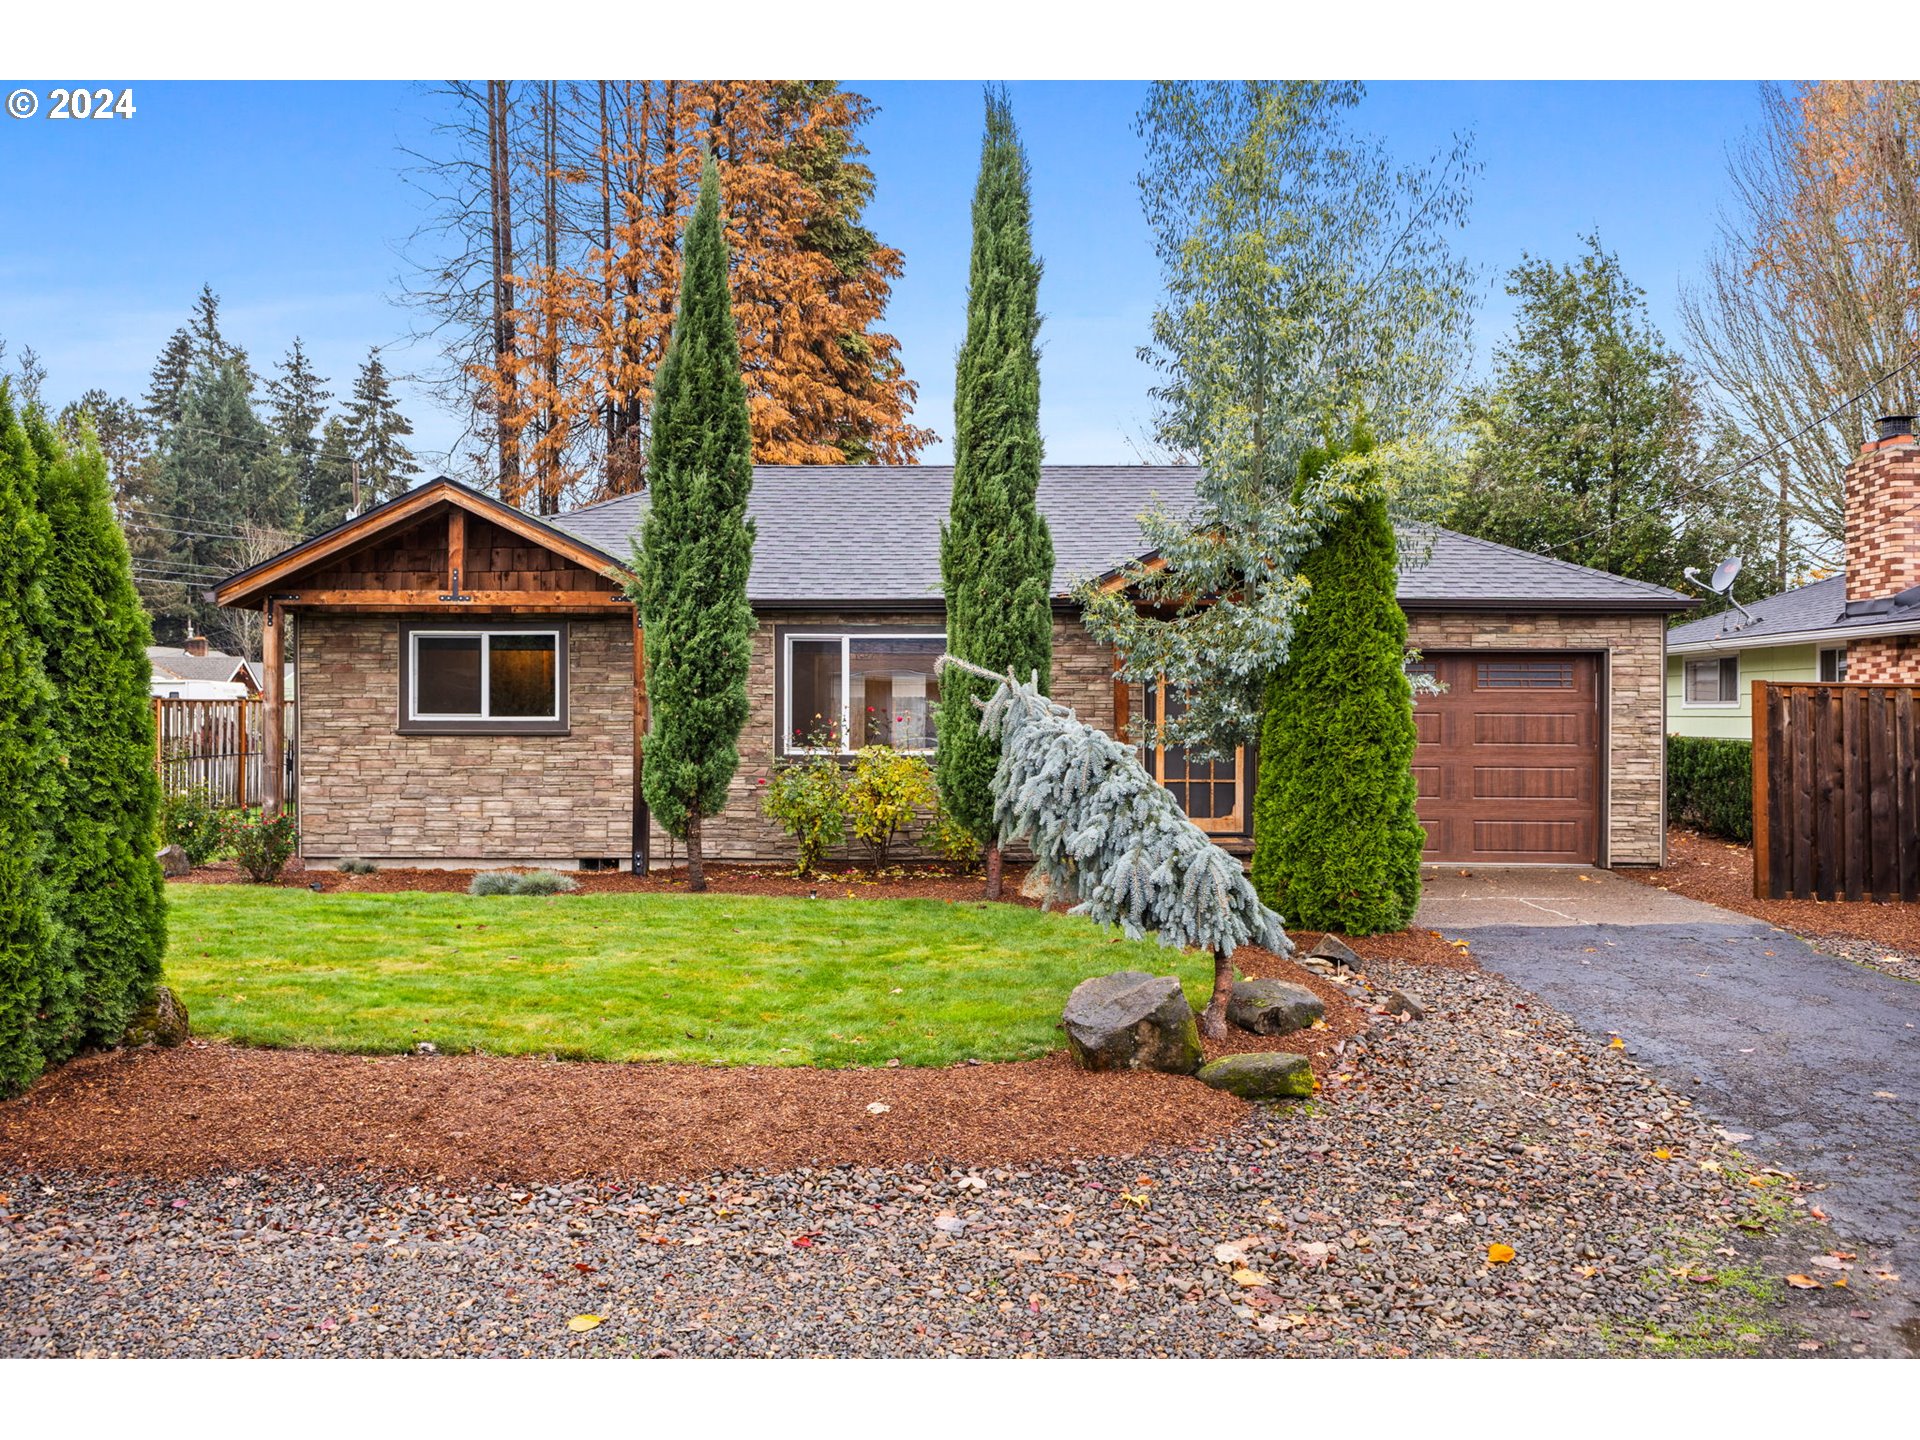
(1816, 1058)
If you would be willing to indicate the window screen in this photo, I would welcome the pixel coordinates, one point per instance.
(1713, 682)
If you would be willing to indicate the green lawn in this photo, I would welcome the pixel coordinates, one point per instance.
(713, 979)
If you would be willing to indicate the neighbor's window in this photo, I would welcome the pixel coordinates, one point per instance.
(1833, 665)
(842, 691)
(1713, 682)
(506, 678)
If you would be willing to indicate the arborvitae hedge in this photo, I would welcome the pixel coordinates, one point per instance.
(29, 939)
(105, 884)
(1336, 842)
(1710, 786)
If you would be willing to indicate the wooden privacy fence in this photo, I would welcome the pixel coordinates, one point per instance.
(219, 745)
(1836, 792)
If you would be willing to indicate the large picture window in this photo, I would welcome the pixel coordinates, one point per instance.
(844, 690)
(483, 678)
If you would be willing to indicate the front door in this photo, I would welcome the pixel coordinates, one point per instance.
(1212, 792)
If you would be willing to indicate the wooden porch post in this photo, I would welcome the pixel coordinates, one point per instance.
(642, 861)
(273, 762)
(456, 549)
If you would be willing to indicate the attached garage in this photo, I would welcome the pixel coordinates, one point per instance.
(1511, 757)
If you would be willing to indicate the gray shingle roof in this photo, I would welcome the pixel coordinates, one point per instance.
(174, 661)
(1816, 608)
(871, 533)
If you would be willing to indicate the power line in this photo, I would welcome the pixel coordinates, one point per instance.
(1752, 460)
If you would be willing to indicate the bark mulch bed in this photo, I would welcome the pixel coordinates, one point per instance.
(1721, 873)
(722, 879)
(213, 1107)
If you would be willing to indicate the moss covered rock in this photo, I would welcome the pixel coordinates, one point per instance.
(1273, 1007)
(1264, 1075)
(1131, 1020)
(161, 1021)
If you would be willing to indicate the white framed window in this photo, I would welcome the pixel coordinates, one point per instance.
(841, 690)
(475, 677)
(1833, 665)
(1714, 681)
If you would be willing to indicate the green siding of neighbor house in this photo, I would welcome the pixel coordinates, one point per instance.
(1797, 663)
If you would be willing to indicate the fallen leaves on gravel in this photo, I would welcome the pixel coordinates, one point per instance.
(1498, 1254)
(580, 1323)
(1803, 1282)
(1250, 1277)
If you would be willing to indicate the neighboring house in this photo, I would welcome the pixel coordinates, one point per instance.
(471, 692)
(194, 672)
(1862, 624)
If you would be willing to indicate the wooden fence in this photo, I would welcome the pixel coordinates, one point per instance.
(1836, 792)
(216, 744)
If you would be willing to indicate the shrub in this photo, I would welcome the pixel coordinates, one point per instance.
(534, 882)
(263, 846)
(188, 819)
(950, 840)
(1336, 840)
(807, 799)
(351, 866)
(1710, 786)
(886, 795)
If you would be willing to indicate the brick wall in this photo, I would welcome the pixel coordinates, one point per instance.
(1636, 702)
(1888, 660)
(1883, 521)
(457, 800)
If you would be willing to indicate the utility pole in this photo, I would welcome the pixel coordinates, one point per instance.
(354, 470)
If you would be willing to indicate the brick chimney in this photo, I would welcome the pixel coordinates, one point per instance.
(1883, 547)
(195, 645)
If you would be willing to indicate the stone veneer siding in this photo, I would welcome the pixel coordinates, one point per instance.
(1082, 678)
(366, 790)
(1636, 704)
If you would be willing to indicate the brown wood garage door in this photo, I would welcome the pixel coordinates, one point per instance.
(1509, 758)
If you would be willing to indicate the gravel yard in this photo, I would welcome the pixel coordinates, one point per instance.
(1357, 1224)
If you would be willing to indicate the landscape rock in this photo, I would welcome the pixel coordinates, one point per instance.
(1337, 953)
(173, 861)
(1262, 1075)
(1039, 886)
(1132, 1021)
(1273, 1007)
(162, 1022)
(1401, 1003)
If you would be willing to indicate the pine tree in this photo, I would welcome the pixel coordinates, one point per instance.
(1336, 842)
(996, 555)
(696, 547)
(299, 402)
(104, 886)
(29, 939)
(210, 347)
(331, 496)
(167, 387)
(375, 432)
(1103, 830)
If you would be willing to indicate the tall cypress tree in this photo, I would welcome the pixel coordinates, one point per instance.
(30, 976)
(695, 549)
(1336, 842)
(105, 888)
(996, 555)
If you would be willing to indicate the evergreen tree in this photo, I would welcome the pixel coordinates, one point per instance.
(996, 555)
(331, 495)
(210, 347)
(104, 885)
(121, 431)
(299, 402)
(375, 429)
(1103, 830)
(167, 387)
(30, 947)
(696, 546)
(1336, 842)
(220, 474)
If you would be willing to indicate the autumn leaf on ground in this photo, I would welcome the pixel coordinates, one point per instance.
(1616, 1044)
(1250, 1277)
(1498, 1254)
(584, 1322)
(1139, 1200)
(1803, 1282)
(878, 1107)
(1663, 1154)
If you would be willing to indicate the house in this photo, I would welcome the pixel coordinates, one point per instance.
(472, 693)
(194, 672)
(1862, 624)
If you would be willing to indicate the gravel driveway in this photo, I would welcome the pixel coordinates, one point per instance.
(1360, 1223)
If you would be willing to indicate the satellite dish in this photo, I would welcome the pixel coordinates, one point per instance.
(1721, 583)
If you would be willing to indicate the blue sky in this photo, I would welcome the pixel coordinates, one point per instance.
(289, 199)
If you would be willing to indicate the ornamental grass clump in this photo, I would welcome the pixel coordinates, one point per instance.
(534, 882)
(1098, 823)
